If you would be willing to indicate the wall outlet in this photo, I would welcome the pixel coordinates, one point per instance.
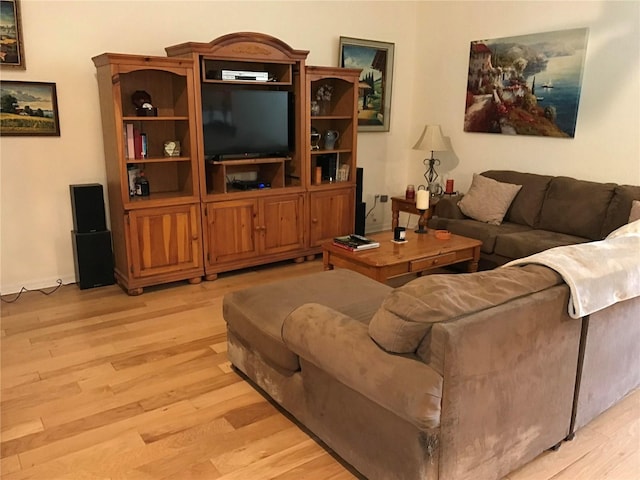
(384, 198)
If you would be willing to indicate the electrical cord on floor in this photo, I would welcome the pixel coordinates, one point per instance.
(23, 290)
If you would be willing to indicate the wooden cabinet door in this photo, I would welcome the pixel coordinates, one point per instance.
(232, 230)
(281, 223)
(164, 240)
(332, 213)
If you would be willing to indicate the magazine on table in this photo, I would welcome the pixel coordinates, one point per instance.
(355, 242)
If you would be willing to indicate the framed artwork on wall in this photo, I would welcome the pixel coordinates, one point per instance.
(526, 85)
(374, 93)
(29, 109)
(11, 49)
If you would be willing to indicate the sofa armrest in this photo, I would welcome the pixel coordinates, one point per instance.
(509, 377)
(341, 346)
(447, 207)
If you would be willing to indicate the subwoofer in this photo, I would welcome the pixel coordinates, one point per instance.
(87, 205)
(93, 259)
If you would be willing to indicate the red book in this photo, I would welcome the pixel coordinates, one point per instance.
(137, 143)
(355, 243)
(342, 245)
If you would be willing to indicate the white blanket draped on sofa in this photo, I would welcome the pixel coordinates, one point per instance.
(600, 273)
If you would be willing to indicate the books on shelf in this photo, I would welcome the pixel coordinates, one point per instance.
(135, 143)
(355, 242)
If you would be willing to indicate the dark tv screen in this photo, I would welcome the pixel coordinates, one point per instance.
(240, 123)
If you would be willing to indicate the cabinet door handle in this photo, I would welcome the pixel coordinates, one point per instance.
(314, 220)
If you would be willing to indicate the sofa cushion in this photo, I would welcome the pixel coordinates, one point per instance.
(523, 244)
(527, 205)
(576, 207)
(408, 312)
(484, 232)
(620, 208)
(488, 200)
(256, 314)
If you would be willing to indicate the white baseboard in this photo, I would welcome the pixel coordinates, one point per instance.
(41, 284)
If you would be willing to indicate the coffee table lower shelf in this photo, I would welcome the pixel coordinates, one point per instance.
(421, 252)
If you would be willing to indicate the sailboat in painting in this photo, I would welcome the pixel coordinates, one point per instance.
(505, 96)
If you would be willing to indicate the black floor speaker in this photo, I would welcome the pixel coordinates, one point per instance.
(93, 259)
(359, 179)
(87, 205)
(361, 208)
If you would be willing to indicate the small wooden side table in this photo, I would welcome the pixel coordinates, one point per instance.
(401, 204)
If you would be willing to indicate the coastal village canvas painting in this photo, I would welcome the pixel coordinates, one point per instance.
(526, 85)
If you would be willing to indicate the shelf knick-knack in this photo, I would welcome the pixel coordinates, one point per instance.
(323, 96)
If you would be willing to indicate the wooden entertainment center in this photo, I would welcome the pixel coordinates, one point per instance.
(195, 222)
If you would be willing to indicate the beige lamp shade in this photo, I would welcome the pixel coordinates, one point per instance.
(431, 139)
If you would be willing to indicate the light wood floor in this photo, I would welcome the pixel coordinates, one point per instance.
(99, 385)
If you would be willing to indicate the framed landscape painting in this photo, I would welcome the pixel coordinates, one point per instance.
(11, 50)
(526, 85)
(28, 108)
(374, 92)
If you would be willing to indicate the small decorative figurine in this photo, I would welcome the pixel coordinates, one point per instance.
(142, 102)
(172, 148)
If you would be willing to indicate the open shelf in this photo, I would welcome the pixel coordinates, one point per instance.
(221, 174)
(133, 161)
(168, 92)
(277, 73)
(333, 167)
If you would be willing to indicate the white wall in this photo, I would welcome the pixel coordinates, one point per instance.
(606, 146)
(60, 37)
(431, 57)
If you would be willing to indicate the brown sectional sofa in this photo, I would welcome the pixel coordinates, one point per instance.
(464, 376)
(449, 377)
(547, 212)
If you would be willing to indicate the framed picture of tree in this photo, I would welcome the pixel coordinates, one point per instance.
(11, 50)
(375, 59)
(28, 108)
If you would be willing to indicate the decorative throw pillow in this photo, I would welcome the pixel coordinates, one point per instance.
(488, 200)
(635, 211)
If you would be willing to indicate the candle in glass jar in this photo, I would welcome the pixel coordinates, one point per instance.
(422, 200)
(449, 187)
(410, 193)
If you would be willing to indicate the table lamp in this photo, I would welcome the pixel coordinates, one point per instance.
(431, 139)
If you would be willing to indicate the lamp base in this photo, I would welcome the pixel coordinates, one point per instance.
(422, 223)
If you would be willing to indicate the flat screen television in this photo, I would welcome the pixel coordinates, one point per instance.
(244, 123)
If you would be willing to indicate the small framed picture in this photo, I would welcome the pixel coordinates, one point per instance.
(375, 59)
(11, 49)
(28, 108)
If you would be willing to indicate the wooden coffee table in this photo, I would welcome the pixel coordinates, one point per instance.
(419, 253)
